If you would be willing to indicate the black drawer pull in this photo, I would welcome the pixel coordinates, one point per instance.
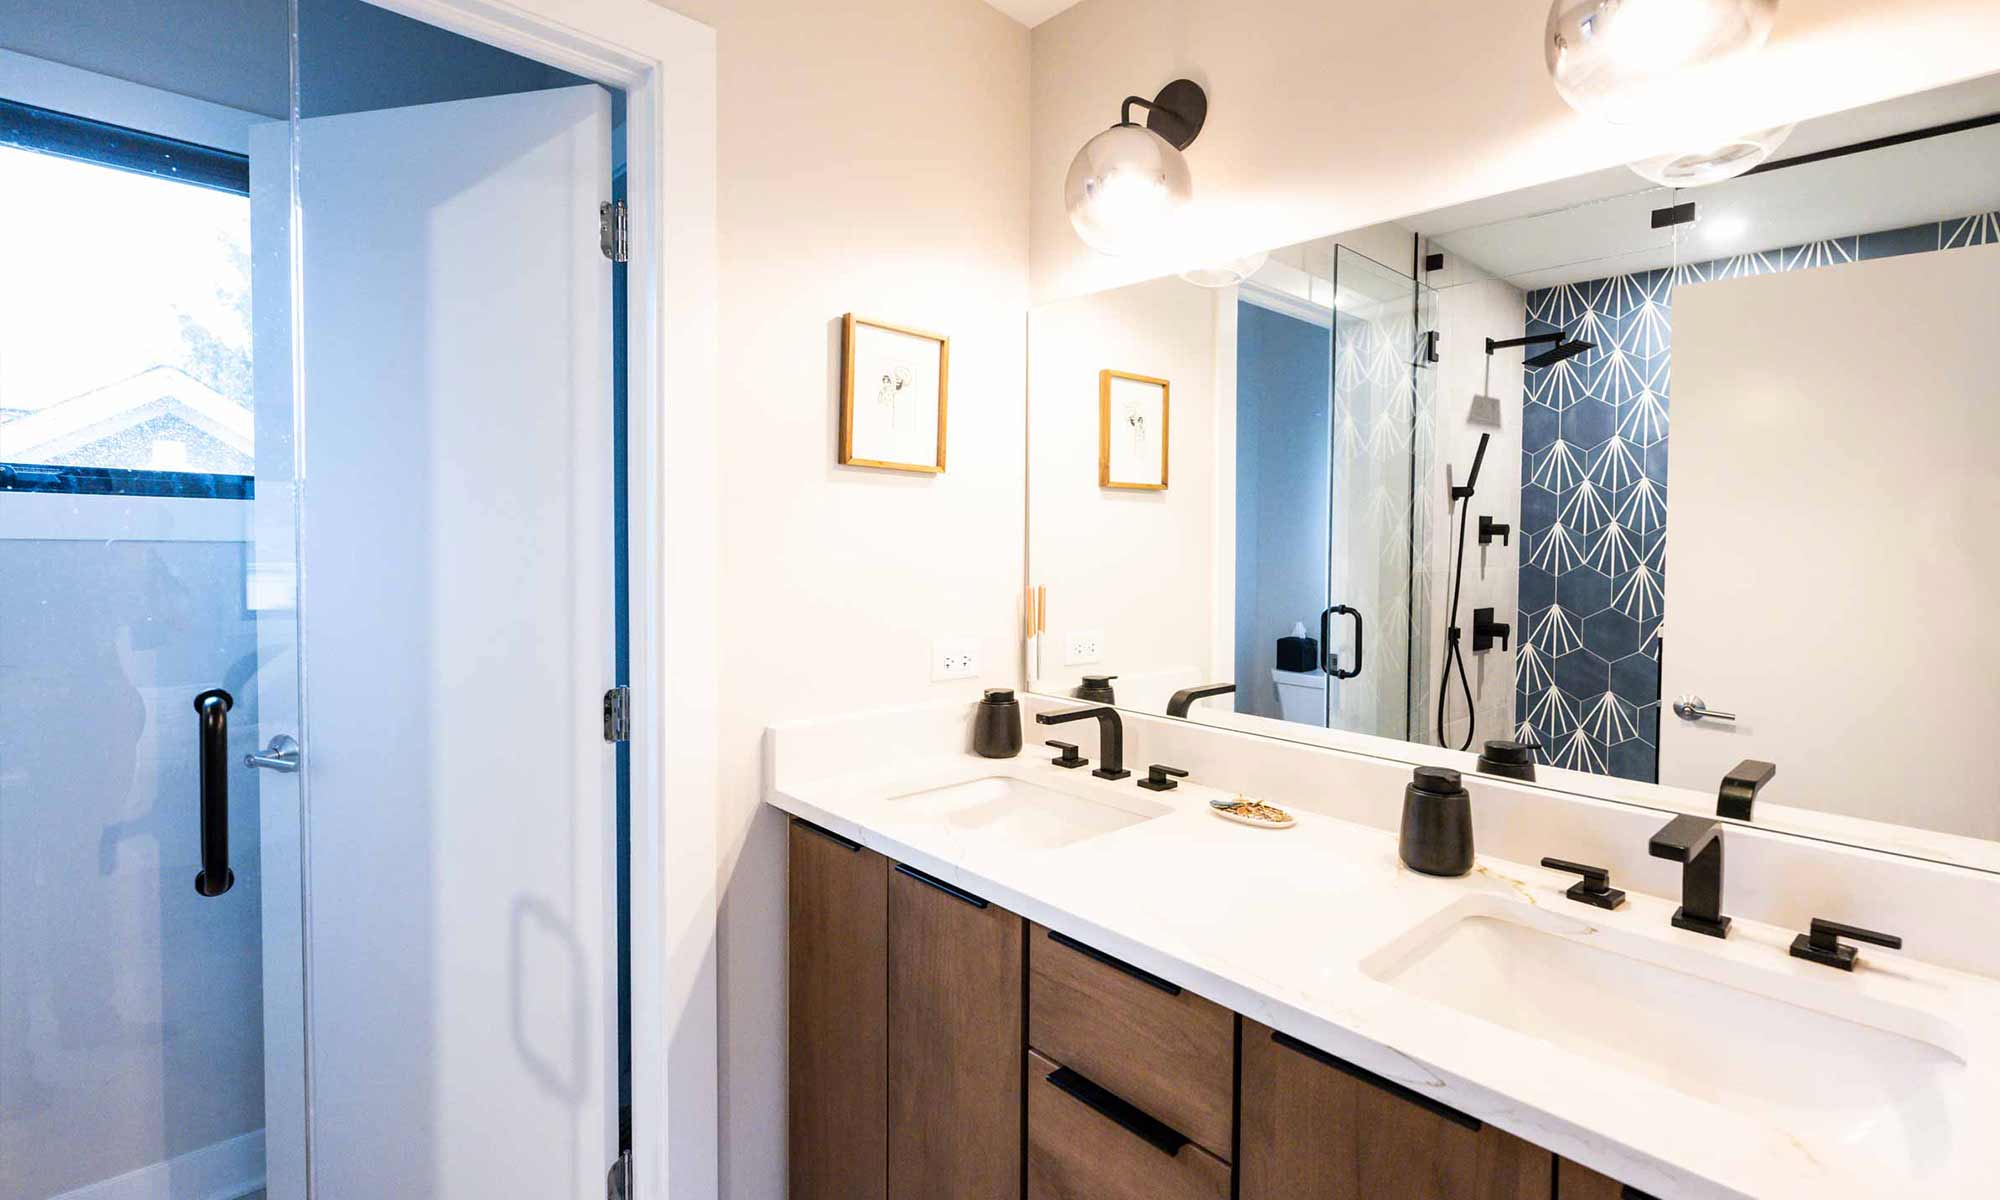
(1116, 964)
(1122, 1113)
(828, 834)
(1373, 1080)
(956, 893)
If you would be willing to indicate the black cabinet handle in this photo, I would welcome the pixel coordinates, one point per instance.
(1123, 1113)
(1116, 964)
(956, 893)
(828, 834)
(1376, 1081)
(212, 717)
(1328, 659)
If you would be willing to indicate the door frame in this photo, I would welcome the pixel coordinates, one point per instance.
(666, 65)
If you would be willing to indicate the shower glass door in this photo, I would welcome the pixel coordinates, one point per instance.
(149, 895)
(1374, 628)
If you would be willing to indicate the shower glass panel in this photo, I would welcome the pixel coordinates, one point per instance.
(1376, 621)
(146, 631)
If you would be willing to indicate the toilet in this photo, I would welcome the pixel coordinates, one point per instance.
(1301, 696)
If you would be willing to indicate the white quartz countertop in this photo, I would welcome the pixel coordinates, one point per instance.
(1308, 930)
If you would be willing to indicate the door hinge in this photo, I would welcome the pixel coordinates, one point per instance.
(618, 714)
(614, 231)
(618, 1184)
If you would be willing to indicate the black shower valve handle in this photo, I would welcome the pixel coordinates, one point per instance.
(1491, 530)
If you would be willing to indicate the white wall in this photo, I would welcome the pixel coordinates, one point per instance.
(1315, 125)
(873, 158)
(1476, 394)
(1849, 626)
(1136, 566)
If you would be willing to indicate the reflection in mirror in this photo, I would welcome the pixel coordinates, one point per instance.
(1668, 485)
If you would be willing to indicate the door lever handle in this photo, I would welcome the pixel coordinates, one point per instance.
(281, 755)
(1694, 708)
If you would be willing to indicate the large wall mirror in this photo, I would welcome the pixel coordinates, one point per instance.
(1688, 492)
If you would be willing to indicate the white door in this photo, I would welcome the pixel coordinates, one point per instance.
(1830, 501)
(454, 612)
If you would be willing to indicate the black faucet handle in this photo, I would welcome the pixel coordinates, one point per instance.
(1069, 757)
(1156, 778)
(1595, 886)
(1823, 946)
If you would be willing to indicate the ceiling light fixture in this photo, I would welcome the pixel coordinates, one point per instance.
(1227, 274)
(1724, 160)
(1129, 182)
(1643, 61)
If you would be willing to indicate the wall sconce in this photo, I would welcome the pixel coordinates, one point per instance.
(1129, 182)
(1637, 61)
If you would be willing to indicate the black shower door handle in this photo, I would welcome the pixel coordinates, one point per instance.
(1328, 659)
(212, 712)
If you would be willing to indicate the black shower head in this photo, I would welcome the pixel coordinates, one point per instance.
(1561, 346)
(1558, 352)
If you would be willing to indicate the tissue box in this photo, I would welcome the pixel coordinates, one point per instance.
(1298, 654)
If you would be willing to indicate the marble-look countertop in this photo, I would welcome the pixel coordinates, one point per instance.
(1301, 929)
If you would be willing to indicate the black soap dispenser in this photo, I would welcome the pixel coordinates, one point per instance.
(1437, 823)
(996, 726)
(1508, 759)
(1097, 689)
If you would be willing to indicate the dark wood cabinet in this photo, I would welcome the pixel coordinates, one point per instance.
(1315, 1128)
(1158, 1046)
(1582, 1183)
(956, 1043)
(839, 1062)
(913, 1006)
(1087, 1144)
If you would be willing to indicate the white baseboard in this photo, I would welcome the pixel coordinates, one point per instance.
(224, 1171)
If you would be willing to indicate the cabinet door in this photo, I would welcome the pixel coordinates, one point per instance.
(839, 1018)
(956, 1043)
(1314, 1128)
(1582, 1183)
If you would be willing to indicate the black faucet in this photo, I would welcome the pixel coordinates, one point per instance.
(1184, 699)
(1696, 844)
(1740, 787)
(1110, 736)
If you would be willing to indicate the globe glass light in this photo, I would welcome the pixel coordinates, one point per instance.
(1645, 61)
(1713, 163)
(1226, 274)
(1125, 189)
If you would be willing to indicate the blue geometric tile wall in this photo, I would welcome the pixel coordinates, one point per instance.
(1594, 438)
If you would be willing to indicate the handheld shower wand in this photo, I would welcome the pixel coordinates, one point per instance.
(1461, 496)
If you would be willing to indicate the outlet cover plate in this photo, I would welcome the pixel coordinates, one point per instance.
(954, 658)
(1084, 646)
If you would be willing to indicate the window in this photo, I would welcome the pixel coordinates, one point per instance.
(124, 311)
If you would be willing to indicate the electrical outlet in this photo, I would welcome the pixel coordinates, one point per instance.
(1085, 646)
(954, 658)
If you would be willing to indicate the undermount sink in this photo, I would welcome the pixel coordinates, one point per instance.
(1019, 815)
(1822, 1062)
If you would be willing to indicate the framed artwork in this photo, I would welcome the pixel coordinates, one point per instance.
(1131, 431)
(892, 396)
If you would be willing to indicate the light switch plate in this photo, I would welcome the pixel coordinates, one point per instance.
(1084, 646)
(954, 658)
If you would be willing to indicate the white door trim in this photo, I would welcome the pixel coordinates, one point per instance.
(665, 64)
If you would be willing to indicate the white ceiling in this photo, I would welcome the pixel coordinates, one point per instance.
(1032, 12)
(1600, 224)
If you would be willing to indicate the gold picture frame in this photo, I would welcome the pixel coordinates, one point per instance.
(1127, 462)
(888, 429)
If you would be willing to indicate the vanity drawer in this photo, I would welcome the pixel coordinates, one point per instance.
(1165, 1049)
(1085, 1144)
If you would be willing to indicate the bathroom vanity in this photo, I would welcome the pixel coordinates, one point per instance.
(1008, 974)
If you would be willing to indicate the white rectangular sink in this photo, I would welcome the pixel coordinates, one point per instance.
(1017, 815)
(1810, 1056)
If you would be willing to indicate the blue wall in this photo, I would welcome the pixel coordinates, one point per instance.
(1594, 439)
(1283, 381)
